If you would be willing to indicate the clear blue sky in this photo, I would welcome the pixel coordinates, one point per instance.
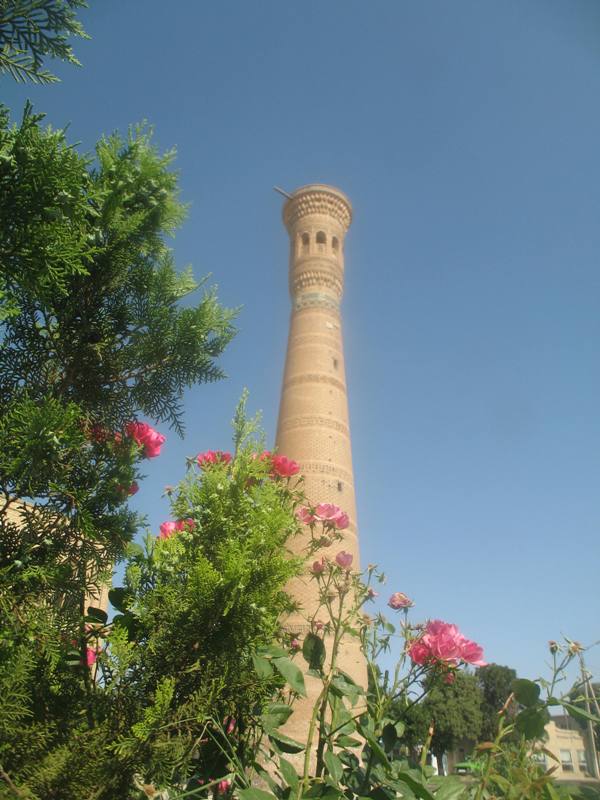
(467, 137)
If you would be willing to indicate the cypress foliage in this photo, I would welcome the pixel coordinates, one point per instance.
(92, 336)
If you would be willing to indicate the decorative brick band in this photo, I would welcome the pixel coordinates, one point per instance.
(315, 338)
(309, 278)
(315, 422)
(315, 377)
(308, 299)
(322, 468)
(316, 200)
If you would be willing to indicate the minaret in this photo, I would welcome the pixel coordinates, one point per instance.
(313, 426)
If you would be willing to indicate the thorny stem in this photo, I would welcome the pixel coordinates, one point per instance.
(338, 632)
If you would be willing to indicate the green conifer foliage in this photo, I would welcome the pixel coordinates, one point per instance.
(92, 337)
(30, 30)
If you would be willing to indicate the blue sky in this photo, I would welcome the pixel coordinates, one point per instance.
(466, 135)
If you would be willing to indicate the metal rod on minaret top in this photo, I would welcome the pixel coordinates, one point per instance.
(283, 192)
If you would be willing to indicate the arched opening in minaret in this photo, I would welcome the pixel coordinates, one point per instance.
(321, 241)
(335, 245)
(305, 242)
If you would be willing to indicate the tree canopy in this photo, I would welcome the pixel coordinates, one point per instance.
(454, 711)
(93, 335)
(495, 682)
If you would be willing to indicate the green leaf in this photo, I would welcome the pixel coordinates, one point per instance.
(273, 651)
(389, 736)
(255, 794)
(334, 766)
(551, 792)
(450, 789)
(342, 720)
(292, 674)
(73, 658)
(97, 615)
(323, 791)
(127, 621)
(580, 713)
(376, 749)
(267, 777)
(342, 686)
(284, 743)
(531, 722)
(118, 598)
(415, 786)
(349, 679)
(313, 650)
(347, 741)
(277, 713)
(526, 692)
(262, 666)
(288, 772)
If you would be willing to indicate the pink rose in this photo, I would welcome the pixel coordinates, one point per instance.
(90, 656)
(447, 643)
(327, 512)
(185, 524)
(295, 644)
(419, 652)
(304, 515)
(212, 457)
(133, 488)
(318, 625)
(436, 627)
(229, 723)
(472, 653)
(167, 529)
(284, 467)
(344, 559)
(371, 593)
(145, 435)
(400, 600)
(332, 514)
(444, 647)
(449, 678)
(223, 786)
(444, 640)
(318, 567)
(342, 521)
(98, 433)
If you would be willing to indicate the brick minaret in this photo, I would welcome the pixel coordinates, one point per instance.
(313, 426)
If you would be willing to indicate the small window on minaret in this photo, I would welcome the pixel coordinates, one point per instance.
(321, 238)
(340, 487)
(335, 245)
(335, 363)
(305, 242)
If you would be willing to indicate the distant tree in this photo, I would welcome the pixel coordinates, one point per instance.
(453, 709)
(494, 680)
(30, 30)
(577, 698)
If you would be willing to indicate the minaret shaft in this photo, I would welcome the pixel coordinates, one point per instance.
(313, 426)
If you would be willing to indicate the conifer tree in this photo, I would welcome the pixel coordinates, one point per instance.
(92, 337)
